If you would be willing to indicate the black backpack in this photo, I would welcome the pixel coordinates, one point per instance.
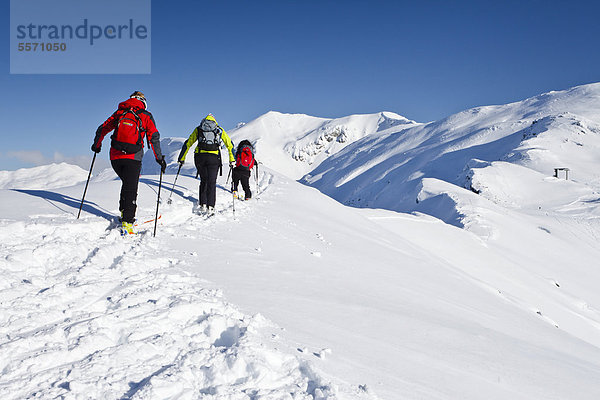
(209, 135)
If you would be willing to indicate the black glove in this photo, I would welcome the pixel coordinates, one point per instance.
(96, 149)
(162, 163)
(181, 156)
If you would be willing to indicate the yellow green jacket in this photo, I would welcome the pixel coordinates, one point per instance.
(194, 138)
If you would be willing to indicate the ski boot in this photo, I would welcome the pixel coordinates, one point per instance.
(199, 209)
(127, 229)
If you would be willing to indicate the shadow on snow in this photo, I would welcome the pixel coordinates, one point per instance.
(54, 198)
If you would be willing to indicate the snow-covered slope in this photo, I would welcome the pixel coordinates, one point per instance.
(296, 297)
(86, 313)
(43, 177)
(481, 150)
(294, 144)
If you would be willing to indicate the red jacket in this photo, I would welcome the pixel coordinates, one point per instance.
(148, 129)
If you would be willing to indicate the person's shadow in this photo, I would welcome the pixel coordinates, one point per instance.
(57, 199)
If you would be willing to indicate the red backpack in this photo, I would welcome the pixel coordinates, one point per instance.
(244, 157)
(128, 134)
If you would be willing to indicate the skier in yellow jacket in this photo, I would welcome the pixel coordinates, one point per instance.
(207, 158)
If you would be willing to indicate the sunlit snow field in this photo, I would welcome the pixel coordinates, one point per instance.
(379, 258)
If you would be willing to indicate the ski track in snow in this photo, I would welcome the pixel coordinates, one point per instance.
(87, 313)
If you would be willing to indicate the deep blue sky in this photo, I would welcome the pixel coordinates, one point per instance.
(239, 59)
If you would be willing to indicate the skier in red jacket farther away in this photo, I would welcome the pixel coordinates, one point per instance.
(131, 123)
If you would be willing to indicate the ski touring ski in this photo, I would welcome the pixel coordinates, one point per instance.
(143, 223)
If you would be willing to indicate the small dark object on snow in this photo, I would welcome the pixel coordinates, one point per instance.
(562, 169)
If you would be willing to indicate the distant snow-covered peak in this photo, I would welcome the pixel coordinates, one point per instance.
(294, 144)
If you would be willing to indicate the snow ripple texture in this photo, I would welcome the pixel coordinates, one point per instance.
(86, 314)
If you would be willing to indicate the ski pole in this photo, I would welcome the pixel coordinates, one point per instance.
(86, 184)
(232, 197)
(179, 169)
(256, 180)
(158, 199)
(228, 175)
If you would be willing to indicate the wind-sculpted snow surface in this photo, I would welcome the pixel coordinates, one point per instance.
(86, 313)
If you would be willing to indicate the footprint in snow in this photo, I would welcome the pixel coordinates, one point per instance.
(322, 353)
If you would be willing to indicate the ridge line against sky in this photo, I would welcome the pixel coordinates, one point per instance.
(240, 59)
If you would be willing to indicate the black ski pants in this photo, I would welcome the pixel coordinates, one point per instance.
(208, 166)
(241, 174)
(129, 172)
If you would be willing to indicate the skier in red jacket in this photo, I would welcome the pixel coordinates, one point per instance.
(244, 161)
(131, 123)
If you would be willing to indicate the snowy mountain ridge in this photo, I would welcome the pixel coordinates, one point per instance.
(293, 144)
(553, 130)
